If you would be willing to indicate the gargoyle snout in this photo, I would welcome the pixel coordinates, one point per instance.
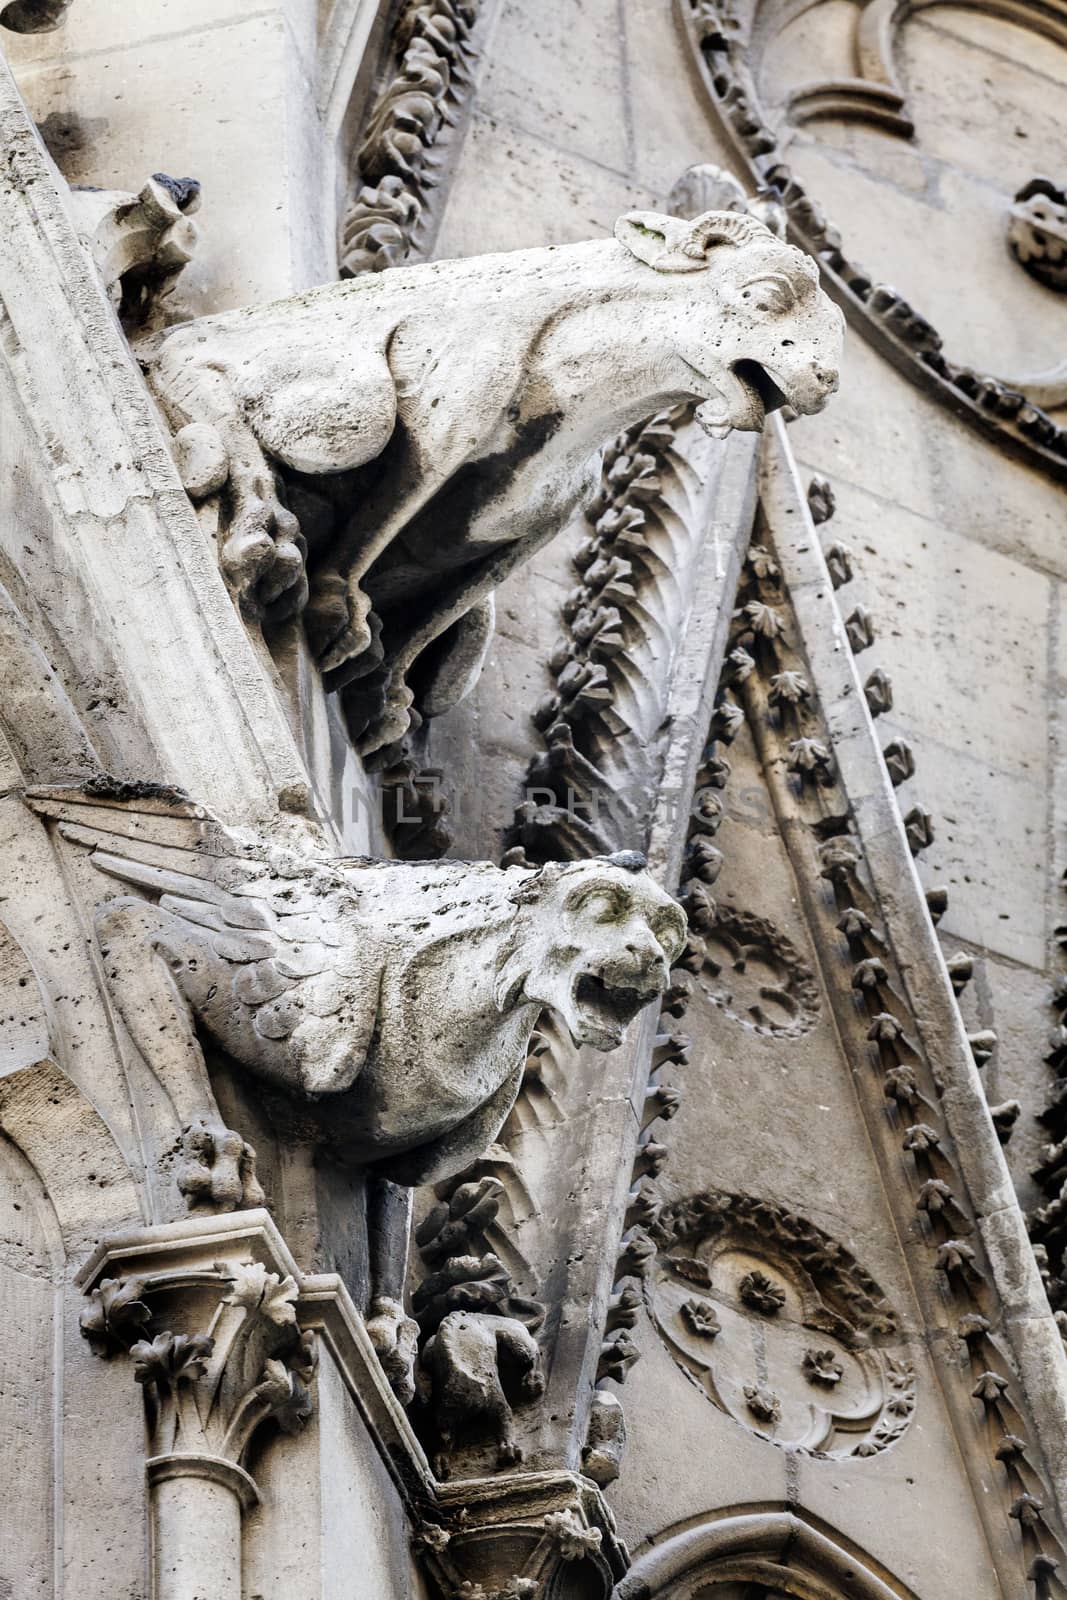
(643, 968)
(826, 377)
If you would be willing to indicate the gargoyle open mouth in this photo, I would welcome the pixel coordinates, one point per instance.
(760, 386)
(604, 1011)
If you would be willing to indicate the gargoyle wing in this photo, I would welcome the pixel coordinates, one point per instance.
(293, 972)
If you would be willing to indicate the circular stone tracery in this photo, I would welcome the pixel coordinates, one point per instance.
(779, 1326)
(757, 976)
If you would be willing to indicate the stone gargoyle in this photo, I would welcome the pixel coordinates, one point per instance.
(393, 1001)
(403, 442)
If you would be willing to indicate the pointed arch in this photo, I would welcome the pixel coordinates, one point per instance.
(779, 1547)
(47, 1119)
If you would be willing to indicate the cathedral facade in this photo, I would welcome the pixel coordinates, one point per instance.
(533, 789)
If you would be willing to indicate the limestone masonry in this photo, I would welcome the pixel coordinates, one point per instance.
(533, 800)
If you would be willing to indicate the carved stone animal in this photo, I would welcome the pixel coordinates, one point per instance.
(433, 426)
(480, 1366)
(393, 1001)
(398, 996)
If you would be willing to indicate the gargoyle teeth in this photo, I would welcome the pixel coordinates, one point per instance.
(611, 1007)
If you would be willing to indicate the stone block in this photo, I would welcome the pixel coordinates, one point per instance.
(961, 629)
(989, 851)
(201, 113)
(877, 432)
(559, 71)
(1014, 1002)
(540, 196)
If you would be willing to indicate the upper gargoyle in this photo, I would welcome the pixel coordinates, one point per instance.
(412, 437)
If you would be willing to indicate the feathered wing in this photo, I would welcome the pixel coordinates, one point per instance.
(281, 929)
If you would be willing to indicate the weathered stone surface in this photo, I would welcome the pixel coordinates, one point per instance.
(772, 1235)
(331, 388)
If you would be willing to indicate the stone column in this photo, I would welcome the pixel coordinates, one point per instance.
(196, 1507)
(207, 1312)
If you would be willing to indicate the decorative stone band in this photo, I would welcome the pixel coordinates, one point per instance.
(841, 824)
(718, 35)
(661, 487)
(927, 1065)
(432, 50)
(785, 1545)
(214, 1469)
(517, 1536)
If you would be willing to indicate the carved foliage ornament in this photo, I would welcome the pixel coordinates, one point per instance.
(207, 1391)
(756, 975)
(787, 1333)
(428, 73)
(1037, 232)
(480, 1360)
(298, 421)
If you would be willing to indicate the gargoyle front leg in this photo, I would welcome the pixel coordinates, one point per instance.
(392, 1332)
(343, 631)
(211, 1163)
(262, 551)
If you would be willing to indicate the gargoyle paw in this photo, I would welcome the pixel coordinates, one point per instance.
(218, 1167)
(395, 1337)
(532, 1384)
(248, 549)
(343, 631)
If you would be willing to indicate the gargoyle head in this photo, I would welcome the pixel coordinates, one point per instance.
(747, 325)
(595, 940)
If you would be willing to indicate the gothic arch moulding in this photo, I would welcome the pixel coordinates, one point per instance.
(727, 40)
(49, 1122)
(785, 1551)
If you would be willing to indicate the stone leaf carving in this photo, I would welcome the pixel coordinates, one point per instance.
(397, 165)
(1037, 232)
(480, 1358)
(206, 1392)
(403, 442)
(401, 994)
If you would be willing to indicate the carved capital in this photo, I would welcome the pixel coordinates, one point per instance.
(509, 1539)
(208, 1317)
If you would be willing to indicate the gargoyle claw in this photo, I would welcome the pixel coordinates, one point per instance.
(395, 1337)
(218, 1167)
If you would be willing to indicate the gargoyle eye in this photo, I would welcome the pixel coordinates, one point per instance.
(602, 905)
(772, 293)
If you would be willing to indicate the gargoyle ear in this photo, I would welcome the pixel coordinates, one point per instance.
(670, 244)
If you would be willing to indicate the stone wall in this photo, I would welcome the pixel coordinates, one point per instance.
(772, 1226)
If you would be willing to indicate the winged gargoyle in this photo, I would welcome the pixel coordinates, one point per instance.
(397, 998)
